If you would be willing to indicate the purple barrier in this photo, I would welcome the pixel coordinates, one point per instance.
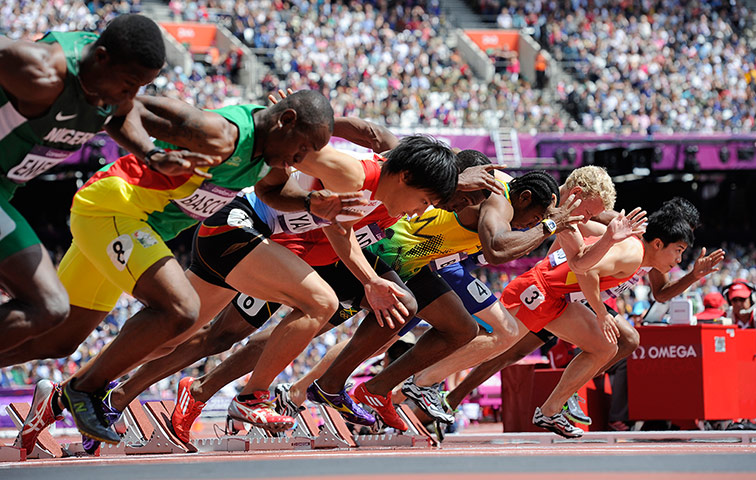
(738, 150)
(482, 143)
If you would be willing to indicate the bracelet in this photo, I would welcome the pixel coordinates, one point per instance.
(308, 199)
(148, 155)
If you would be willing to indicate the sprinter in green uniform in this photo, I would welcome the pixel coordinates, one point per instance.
(55, 94)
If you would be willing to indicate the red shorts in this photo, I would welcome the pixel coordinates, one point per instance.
(537, 304)
(312, 247)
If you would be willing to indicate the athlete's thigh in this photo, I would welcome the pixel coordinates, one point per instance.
(120, 248)
(273, 273)
(500, 320)
(446, 313)
(88, 289)
(578, 325)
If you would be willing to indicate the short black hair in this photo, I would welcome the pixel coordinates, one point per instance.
(685, 209)
(669, 226)
(133, 38)
(312, 107)
(541, 185)
(430, 165)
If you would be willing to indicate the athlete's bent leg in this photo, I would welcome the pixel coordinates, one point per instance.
(579, 326)
(484, 346)
(524, 347)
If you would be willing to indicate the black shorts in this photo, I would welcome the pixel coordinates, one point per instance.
(348, 289)
(224, 239)
(426, 285)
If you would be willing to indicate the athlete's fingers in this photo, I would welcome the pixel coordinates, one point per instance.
(202, 173)
(378, 319)
(575, 219)
(397, 291)
(387, 319)
(201, 159)
(395, 313)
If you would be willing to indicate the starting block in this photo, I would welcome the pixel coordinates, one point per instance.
(148, 431)
(335, 434)
(12, 454)
(46, 446)
(415, 436)
(257, 438)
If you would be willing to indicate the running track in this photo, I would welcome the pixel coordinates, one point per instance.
(460, 460)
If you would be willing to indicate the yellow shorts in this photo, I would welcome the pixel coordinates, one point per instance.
(106, 258)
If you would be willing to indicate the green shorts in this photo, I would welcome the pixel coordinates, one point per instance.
(15, 232)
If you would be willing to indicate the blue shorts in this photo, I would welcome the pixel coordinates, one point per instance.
(475, 295)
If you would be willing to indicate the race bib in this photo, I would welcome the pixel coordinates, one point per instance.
(249, 305)
(557, 258)
(369, 234)
(205, 201)
(478, 290)
(299, 222)
(442, 262)
(119, 251)
(532, 297)
(39, 160)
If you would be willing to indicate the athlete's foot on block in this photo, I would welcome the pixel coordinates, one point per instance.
(556, 423)
(90, 445)
(382, 405)
(89, 415)
(342, 403)
(574, 412)
(427, 399)
(40, 416)
(284, 403)
(186, 410)
(259, 412)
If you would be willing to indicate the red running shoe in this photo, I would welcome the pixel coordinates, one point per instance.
(186, 411)
(40, 416)
(382, 405)
(259, 412)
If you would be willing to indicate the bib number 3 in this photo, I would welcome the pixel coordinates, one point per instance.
(532, 297)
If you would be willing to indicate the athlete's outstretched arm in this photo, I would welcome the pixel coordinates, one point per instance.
(665, 289)
(28, 71)
(181, 124)
(366, 134)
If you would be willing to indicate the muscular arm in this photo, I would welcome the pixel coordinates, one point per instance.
(280, 191)
(665, 289)
(181, 124)
(500, 244)
(31, 73)
(366, 134)
(126, 128)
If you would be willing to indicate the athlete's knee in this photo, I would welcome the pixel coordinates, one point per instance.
(321, 305)
(605, 350)
(52, 311)
(629, 340)
(182, 313)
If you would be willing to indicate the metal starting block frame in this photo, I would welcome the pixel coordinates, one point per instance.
(46, 447)
(335, 434)
(147, 431)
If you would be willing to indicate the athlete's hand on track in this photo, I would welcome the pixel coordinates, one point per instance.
(705, 264)
(622, 227)
(608, 325)
(181, 162)
(478, 178)
(562, 216)
(382, 296)
(328, 205)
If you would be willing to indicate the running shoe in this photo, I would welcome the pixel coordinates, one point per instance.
(284, 404)
(89, 415)
(342, 402)
(40, 415)
(259, 412)
(90, 445)
(186, 410)
(557, 424)
(382, 405)
(574, 412)
(427, 399)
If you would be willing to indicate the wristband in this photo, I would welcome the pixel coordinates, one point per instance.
(148, 155)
